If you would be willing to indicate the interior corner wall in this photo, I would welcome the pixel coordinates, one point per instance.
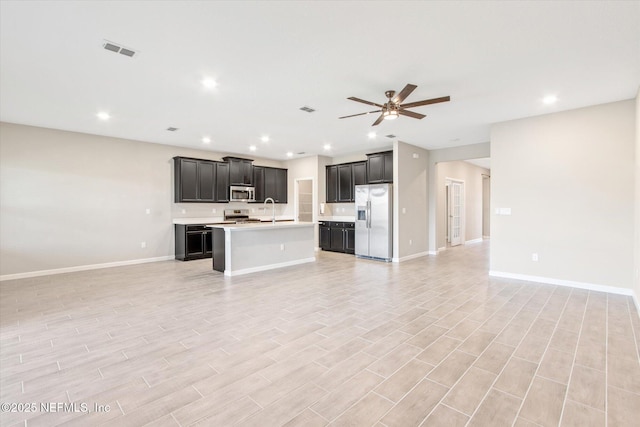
(70, 200)
(473, 195)
(410, 201)
(636, 233)
(568, 179)
(464, 152)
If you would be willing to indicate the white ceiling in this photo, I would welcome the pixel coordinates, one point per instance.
(496, 60)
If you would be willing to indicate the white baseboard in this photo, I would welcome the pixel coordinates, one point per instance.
(83, 268)
(413, 256)
(637, 303)
(561, 282)
(268, 267)
(472, 241)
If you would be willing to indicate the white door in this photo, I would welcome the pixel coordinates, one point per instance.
(456, 212)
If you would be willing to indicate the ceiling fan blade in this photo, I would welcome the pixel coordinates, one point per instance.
(425, 102)
(411, 114)
(361, 114)
(377, 122)
(404, 93)
(353, 98)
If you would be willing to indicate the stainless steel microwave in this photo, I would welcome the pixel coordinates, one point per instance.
(242, 194)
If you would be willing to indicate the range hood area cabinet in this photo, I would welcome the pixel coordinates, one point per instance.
(200, 181)
(240, 171)
(341, 180)
(270, 182)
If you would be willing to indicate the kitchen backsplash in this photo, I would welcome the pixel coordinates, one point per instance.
(206, 210)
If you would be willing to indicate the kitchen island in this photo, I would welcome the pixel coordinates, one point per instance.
(252, 247)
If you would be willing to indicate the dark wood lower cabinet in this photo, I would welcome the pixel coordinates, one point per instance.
(337, 236)
(193, 241)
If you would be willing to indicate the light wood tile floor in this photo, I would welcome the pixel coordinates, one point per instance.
(433, 341)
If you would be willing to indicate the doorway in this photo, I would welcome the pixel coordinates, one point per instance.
(454, 214)
(304, 199)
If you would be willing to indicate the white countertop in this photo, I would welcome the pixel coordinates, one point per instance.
(344, 218)
(261, 226)
(220, 220)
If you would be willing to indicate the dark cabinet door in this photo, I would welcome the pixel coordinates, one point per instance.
(258, 183)
(350, 240)
(345, 185)
(359, 174)
(388, 167)
(208, 243)
(325, 237)
(206, 172)
(337, 239)
(380, 167)
(282, 186)
(195, 244)
(332, 184)
(186, 180)
(270, 183)
(222, 182)
(375, 168)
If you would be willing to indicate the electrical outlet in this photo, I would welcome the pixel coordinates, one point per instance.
(534, 257)
(184, 211)
(282, 246)
(214, 210)
(143, 245)
(410, 242)
(148, 211)
(404, 210)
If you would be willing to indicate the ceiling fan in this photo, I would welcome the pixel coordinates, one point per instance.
(394, 107)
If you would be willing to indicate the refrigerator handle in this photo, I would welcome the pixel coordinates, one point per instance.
(368, 213)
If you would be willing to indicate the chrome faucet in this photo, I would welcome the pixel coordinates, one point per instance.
(269, 199)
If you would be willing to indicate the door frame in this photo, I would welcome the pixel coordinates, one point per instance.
(296, 197)
(448, 186)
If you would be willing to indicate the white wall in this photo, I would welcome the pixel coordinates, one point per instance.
(410, 201)
(568, 179)
(70, 199)
(637, 208)
(473, 195)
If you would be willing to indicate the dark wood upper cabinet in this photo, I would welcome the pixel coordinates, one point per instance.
(332, 184)
(359, 173)
(222, 182)
(270, 182)
(258, 183)
(194, 180)
(240, 171)
(282, 186)
(380, 167)
(341, 181)
(345, 183)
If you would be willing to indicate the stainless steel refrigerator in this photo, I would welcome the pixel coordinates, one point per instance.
(374, 221)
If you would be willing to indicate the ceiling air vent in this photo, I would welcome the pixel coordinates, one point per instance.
(114, 47)
(307, 109)
(172, 129)
(390, 135)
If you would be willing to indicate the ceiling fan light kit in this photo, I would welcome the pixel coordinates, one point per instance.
(393, 107)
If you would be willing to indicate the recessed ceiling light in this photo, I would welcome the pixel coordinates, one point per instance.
(371, 135)
(206, 140)
(289, 154)
(103, 115)
(209, 83)
(253, 148)
(550, 99)
(264, 138)
(327, 147)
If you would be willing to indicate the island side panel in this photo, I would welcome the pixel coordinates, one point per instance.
(218, 249)
(265, 247)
